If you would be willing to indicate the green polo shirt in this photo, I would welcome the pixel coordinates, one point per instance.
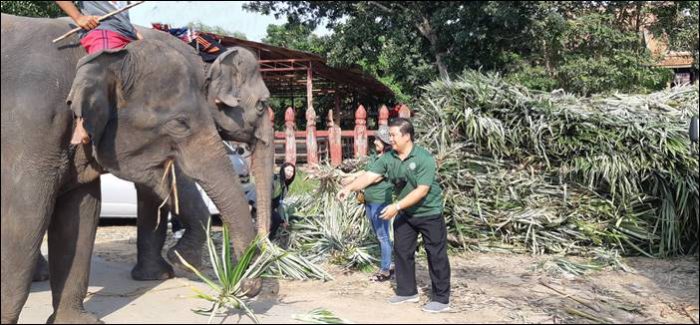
(418, 168)
(379, 192)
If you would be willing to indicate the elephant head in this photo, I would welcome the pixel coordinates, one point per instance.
(143, 107)
(236, 89)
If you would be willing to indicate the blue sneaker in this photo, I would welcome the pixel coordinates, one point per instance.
(436, 307)
(395, 300)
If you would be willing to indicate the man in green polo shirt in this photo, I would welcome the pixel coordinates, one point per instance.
(418, 209)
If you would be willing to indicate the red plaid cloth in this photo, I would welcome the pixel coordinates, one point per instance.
(97, 40)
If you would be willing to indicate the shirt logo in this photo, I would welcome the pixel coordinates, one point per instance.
(412, 166)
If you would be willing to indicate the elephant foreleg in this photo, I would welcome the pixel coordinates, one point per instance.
(150, 264)
(24, 223)
(71, 240)
(194, 215)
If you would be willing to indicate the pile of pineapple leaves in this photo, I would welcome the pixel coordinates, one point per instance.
(536, 172)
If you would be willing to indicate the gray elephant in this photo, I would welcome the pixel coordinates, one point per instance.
(236, 93)
(142, 108)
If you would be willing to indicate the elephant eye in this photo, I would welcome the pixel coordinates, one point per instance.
(178, 126)
(262, 105)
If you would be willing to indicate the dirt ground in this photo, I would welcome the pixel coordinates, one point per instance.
(486, 288)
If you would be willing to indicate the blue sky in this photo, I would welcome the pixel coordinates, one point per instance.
(226, 14)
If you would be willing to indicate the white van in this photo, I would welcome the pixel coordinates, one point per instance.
(119, 196)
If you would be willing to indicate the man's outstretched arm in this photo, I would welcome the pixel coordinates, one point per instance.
(360, 183)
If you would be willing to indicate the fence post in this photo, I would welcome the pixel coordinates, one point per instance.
(404, 111)
(334, 141)
(311, 144)
(290, 147)
(360, 132)
(383, 115)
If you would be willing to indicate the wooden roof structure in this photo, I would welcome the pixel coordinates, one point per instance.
(288, 72)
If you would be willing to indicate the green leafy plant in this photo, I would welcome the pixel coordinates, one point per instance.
(321, 316)
(271, 261)
(555, 173)
(229, 277)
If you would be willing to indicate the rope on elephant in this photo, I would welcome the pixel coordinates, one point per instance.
(169, 167)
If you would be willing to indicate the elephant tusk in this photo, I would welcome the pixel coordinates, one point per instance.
(169, 167)
(174, 185)
(80, 135)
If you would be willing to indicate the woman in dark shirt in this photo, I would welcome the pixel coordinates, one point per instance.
(280, 187)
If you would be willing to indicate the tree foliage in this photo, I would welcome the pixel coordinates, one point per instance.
(47, 9)
(677, 21)
(295, 36)
(584, 47)
(589, 54)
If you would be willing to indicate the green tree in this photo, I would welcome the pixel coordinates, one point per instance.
(583, 47)
(296, 36)
(590, 53)
(600, 57)
(677, 21)
(47, 9)
(396, 42)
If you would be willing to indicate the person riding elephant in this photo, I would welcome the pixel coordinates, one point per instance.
(141, 111)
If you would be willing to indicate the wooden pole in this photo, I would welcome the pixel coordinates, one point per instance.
(290, 146)
(383, 115)
(311, 145)
(404, 111)
(360, 132)
(334, 141)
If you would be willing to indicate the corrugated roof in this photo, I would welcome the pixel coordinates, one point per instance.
(290, 77)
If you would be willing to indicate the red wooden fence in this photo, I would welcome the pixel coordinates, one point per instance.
(333, 135)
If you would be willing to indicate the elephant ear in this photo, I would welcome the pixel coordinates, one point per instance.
(222, 77)
(92, 95)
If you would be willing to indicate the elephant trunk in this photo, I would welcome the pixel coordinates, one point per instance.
(213, 171)
(262, 162)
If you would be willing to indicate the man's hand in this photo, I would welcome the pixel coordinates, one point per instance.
(389, 212)
(87, 22)
(360, 183)
(347, 180)
(342, 195)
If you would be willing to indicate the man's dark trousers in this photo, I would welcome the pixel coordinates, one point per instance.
(406, 230)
